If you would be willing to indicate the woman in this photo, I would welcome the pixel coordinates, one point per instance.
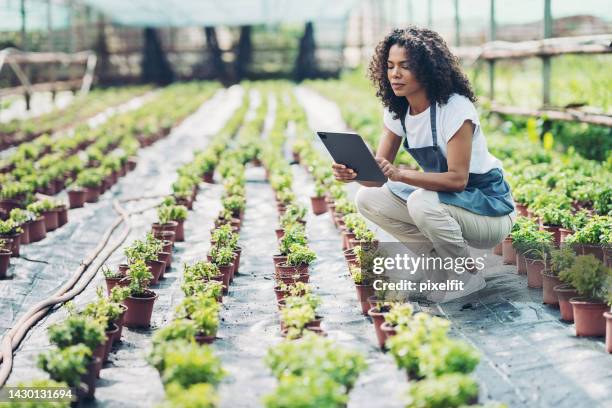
(461, 197)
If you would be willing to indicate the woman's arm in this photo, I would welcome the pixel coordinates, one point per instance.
(458, 151)
(387, 147)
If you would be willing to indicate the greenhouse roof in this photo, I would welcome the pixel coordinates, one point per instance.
(163, 13)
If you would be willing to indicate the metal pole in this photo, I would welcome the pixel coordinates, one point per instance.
(429, 14)
(457, 25)
(492, 37)
(548, 26)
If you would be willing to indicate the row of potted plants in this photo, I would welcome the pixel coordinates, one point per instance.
(107, 152)
(19, 131)
(83, 341)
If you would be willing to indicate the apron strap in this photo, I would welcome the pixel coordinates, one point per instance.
(432, 119)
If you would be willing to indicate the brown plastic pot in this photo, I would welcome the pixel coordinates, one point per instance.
(25, 235)
(91, 376)
(534, 272)
(366, 245)
(363, 293)
(62, 215)
(508, 252)
(608, 317)
(280, 233)
(139, 309)
(7, 204)
(319, 206)
(209, 177)
(76, 198)
(388, 330)
(51, 221)
(110, 336)
(555, 230)
(237, 253)
(226, 270)
(521, 264)
(180, 231)
(378, 317)
(564, 293)
(564, 233)
(549, 281)
(157, 228)
(165, 258)
(202, 339)
(111, 283)
(284, 270)
(497, 249)
(521, 209)
(5, 260)
(92, 194)
(120, 322)
(38, 230)
(277, 260)
(13, 243)
(595, 250)
(589, 318)
(157, 270)
(347, 238)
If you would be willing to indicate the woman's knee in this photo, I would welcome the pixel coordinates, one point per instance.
(365, 201)
(422, 205)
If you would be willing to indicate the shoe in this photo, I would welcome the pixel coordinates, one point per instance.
(472, 283)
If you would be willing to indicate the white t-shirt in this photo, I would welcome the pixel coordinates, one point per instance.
(449, 118)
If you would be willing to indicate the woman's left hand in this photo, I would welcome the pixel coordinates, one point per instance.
(388, 169)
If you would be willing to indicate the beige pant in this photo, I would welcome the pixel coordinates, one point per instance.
(423, 223)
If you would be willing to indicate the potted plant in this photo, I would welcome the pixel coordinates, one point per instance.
(553, 219)
(190, 364)
(294, 234)
(362, 275)
(141, 300)
(104, 310)
(560, 259)
(90, 182)
(5, 256)
(223, 258)
(377, 314)
(38, 229)
(235, 204)
(590, 278)
(364, 238)
(147, 251)
(117, 296)
(284, 290)
(319, 206)
(72, 365)
(10, 232)
(448, 391)
(399, 315)
(13, 194)
(295, 268)
(23, 219)
(165, 223)
(536, 250)
(206, 319)
(308, 390)
(588, 239)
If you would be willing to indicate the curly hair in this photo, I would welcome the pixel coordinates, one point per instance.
(431, 62)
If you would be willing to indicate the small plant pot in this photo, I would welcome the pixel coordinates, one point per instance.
(120, 322)
(76, 198)
(139, 309)
(347, 239)
(25, 235)
(388, 330)
(319, 206)
(157, 270)
(555, 230)
(209, 177)
(157, 228)
(277, 260)
(497, 249)
(226, 271)
(14, 243)
(91, 376)
(180, 231)
(378, 317)
(110, 336)
(92, 194)
(51, 220)
(521, 209)
(165, 258)
(284, 270)
(7, 204)
(363, 293)
(316, 330)
(549, 281)
(589, 319)
(112, 282)
(237, 253)
(366, 245)
(5, 260)
(595, 250)
(608, 317)
(564, 293)
(508, 252)
(166, 236)
(38, 230)
(280, 233)
(202, 339)
(534, 272)
(564, 233)
(62, 215)
(316, 322)
(521, 264)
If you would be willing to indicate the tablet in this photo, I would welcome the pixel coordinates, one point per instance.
(350, 149)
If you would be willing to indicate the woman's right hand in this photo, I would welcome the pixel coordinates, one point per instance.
(343, 173)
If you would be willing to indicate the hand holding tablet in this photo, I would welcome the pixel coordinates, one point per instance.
(354, 160)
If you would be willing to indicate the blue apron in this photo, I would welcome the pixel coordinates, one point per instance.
(485, 194)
